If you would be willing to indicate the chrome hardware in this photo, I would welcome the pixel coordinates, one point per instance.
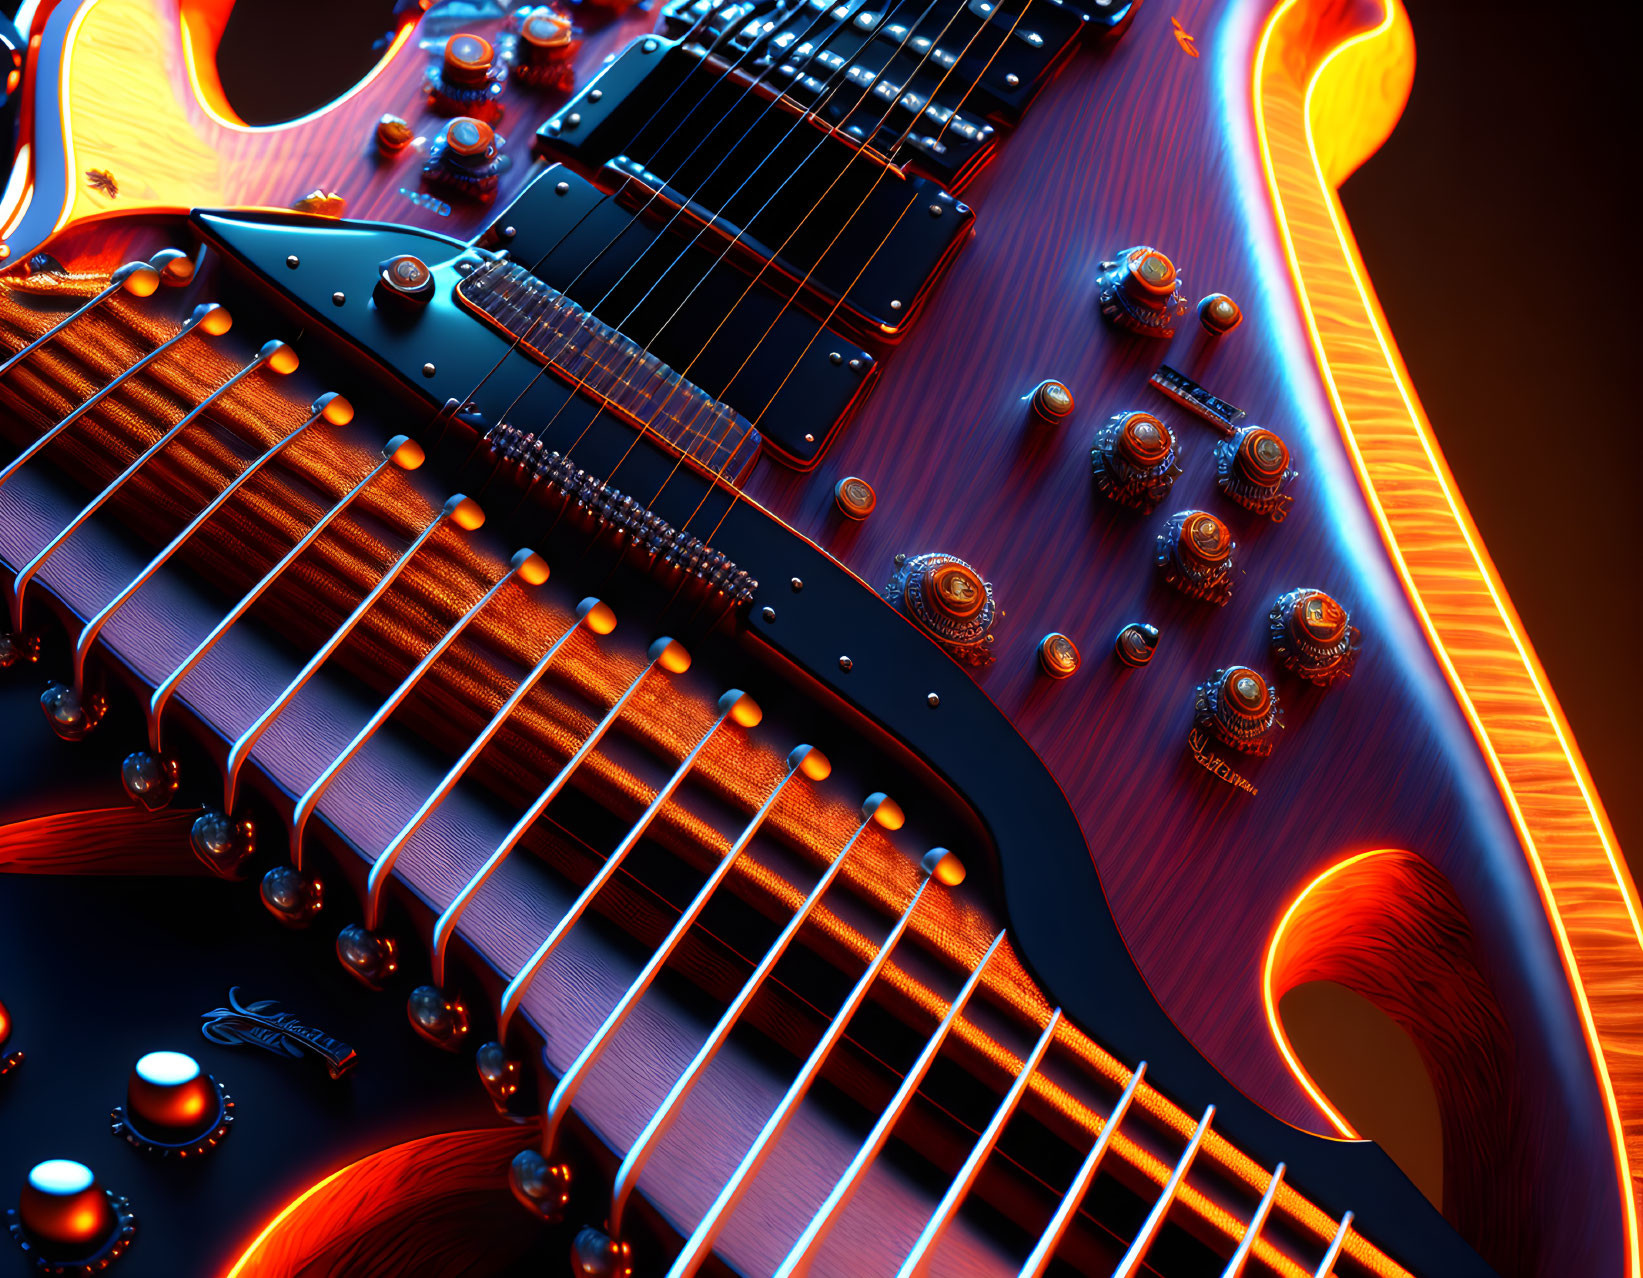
(527, 566)
(439, 1018)
(1195, 555)
(400, 451)
(1136, 1255)
(149, 780)
(591, 613)
(1219, 314)
(222, 843)
(208, 317)
(368, 958)
(499, 1073)
(1313, 636)
(961, 1183)
(1133, 461)
(1326, 1266)
(331, 407)
(67, 1223)
(292, 897)
(71, 715)
(1140, 291)
(594, 1254)
(1240, 709)
(1052, 402)
(1050, 1239)
(542, 1188)
(275, 355)
(949, 601)
(1136, 643)
(1252, 468)
(461, 511)
(1058, 655)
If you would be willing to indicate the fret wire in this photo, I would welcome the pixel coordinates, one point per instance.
(241, 750)
(1326, 1266)
(26, 573)
(162, 692)
(309, 801)
(89, 632)
(1235, 1266)
(515, 992)
(97, 397)
(803, 1251)
(945, 1210)
(564, 1094)
(1134, 1257)
(646, 1143)
(377, 876)
(1050, 1239)
(699, 1245)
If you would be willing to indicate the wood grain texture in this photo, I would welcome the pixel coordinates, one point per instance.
(1584, 883)
(1144, 143)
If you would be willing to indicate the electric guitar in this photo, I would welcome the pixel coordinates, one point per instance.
(838, 600)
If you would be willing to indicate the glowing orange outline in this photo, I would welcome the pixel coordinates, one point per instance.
(1275, 1022)
(280, 1217)
(1529, 816)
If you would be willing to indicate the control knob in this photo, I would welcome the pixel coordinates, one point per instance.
(1239, 708)
(1195, 553)
(68, 1222)
(1313, 636)
(1252, 468)
(1140, 292)
(172, 1107)
(1134, 461)
(466, 158)
(468, 80)
(546, 57)
(404, 282)
(949, 601)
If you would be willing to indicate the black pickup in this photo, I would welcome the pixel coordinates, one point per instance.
(764, 182)
(940, 72)
(793, 379)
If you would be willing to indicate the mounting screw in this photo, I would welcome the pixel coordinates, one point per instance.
(833, 357)
(845, 663)
(293, 261)
(573, 119)
(932, 701)
(895, 303)
(562, 188)
(508, 232)
(935, 210)
(797, 585)
(337, 299)
(595, 94)
(428, 370)
(770, 614)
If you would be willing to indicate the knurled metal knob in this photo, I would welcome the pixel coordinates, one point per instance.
(1252, 468)
(1313, 636)
(468, 80)
(1240, 709)
(1195, 555)
(1140, 292)
(68, 1222)
(173, 1107)
(1133, 461)
(547, 49)
(466, 158)
(947, 599)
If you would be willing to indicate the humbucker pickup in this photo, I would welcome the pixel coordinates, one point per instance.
(796, 201)
(612, 368)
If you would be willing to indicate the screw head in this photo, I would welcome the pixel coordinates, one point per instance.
(337, 299)
(845, 663)
(933, 700)
(293, 261)
(428, 370)
(769, 614)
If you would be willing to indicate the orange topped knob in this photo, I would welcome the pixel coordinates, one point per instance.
(1205, 539)
(468, 59)
(1262, 456)
(64, 1211)
(1144, 440)
(168, 1092)
(1151, 274)
(954, 589)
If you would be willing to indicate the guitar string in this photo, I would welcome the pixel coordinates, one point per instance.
(832, 85)
(822, 327)
(747, 87)
(836, 305)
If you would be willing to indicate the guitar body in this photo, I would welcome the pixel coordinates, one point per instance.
(1423, 833)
